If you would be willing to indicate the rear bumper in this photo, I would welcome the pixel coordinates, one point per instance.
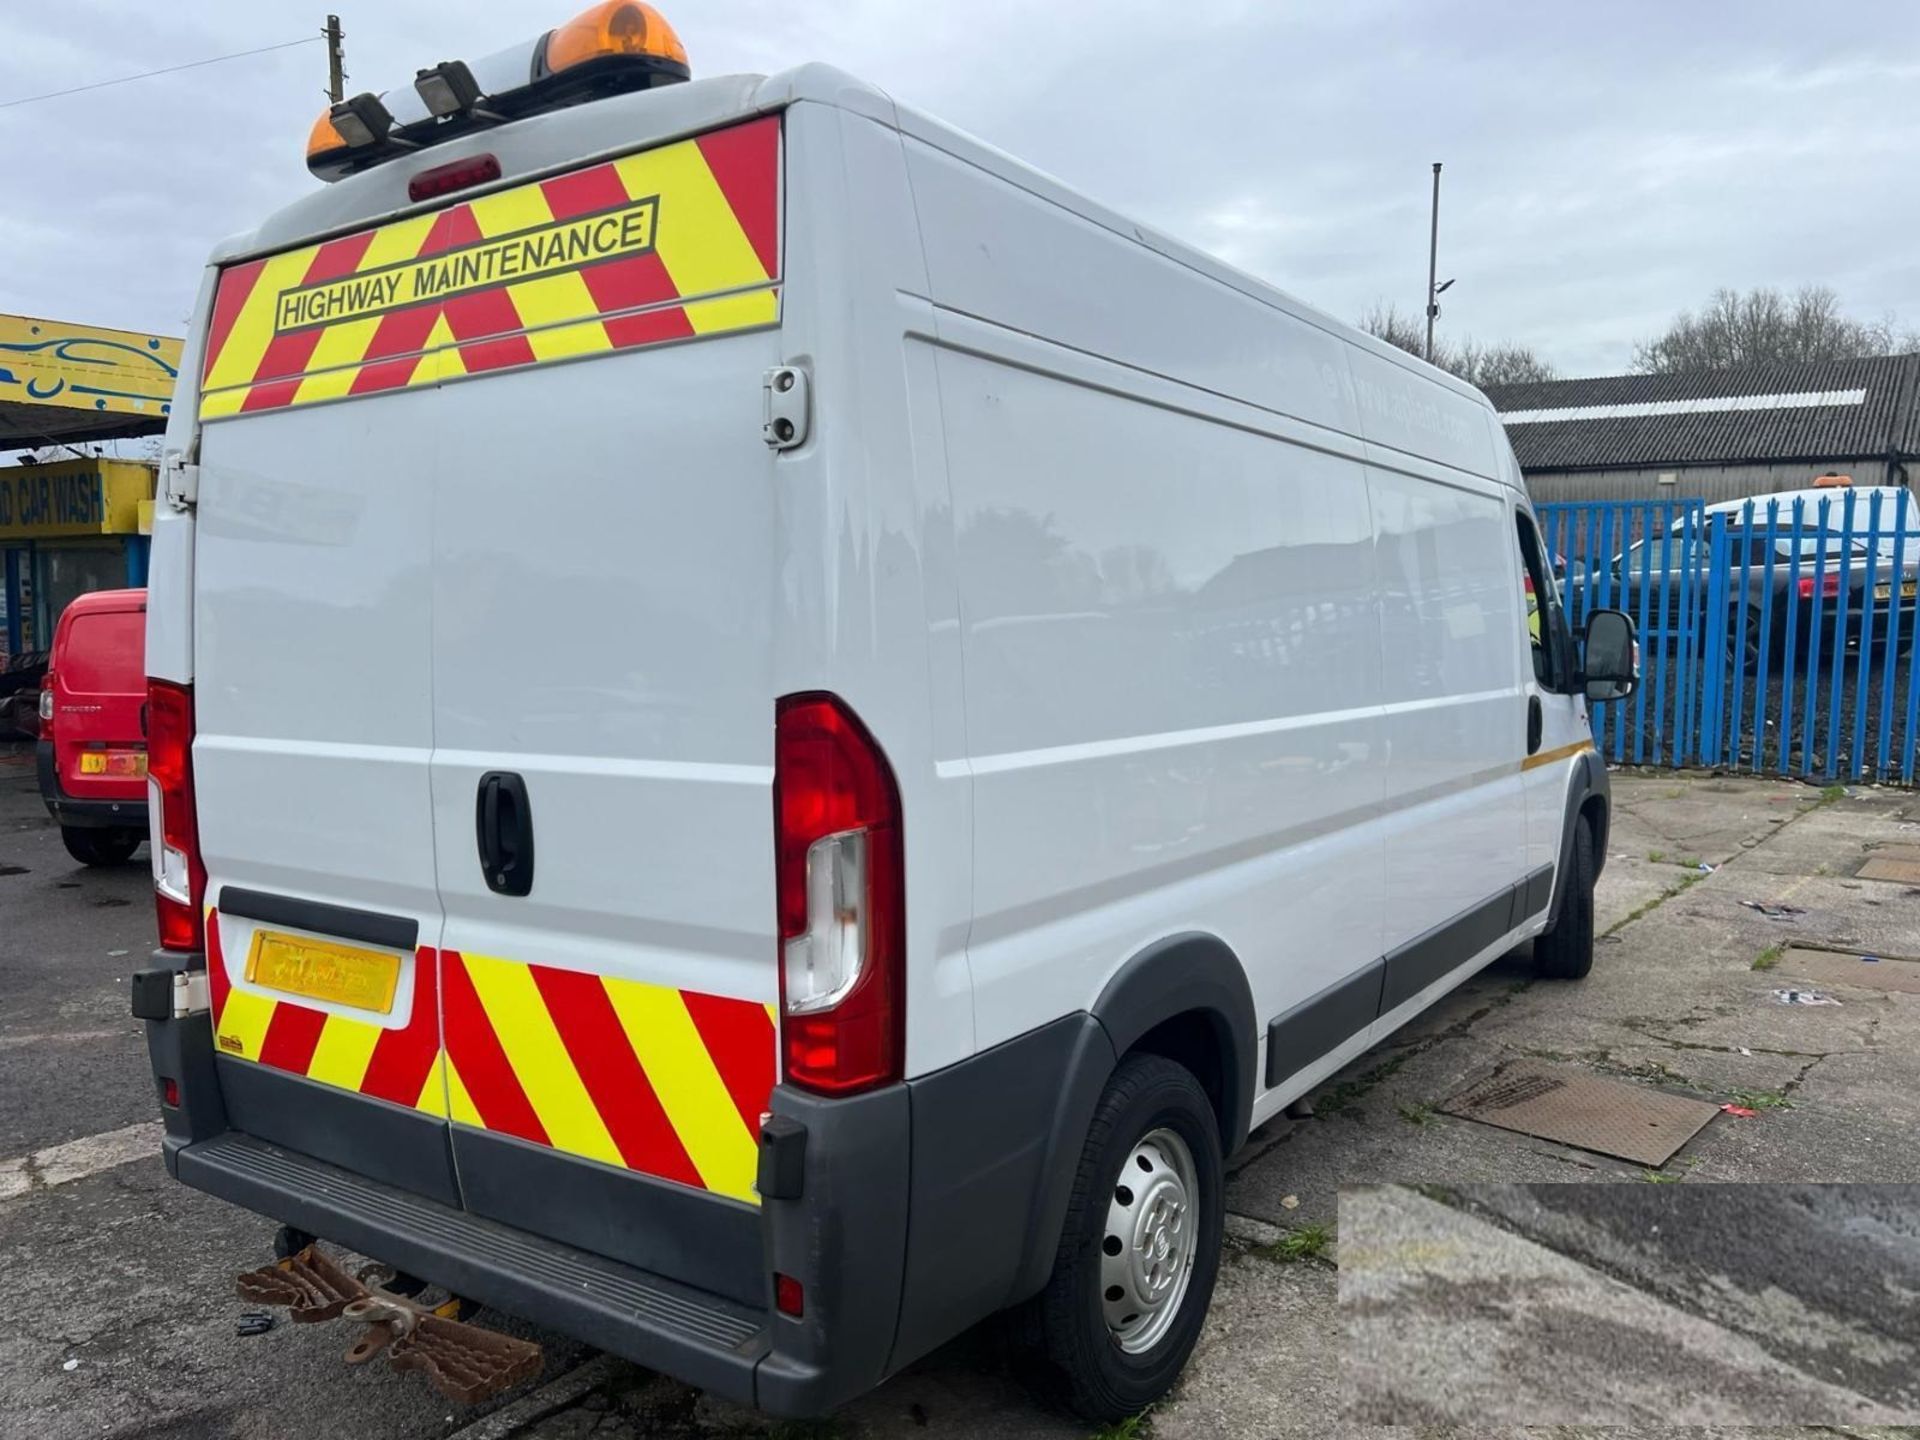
(967, 1152)
(83, 814)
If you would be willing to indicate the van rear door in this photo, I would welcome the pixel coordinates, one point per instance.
(99, 686)
(487, 578)
(604, 576)
(314, 711)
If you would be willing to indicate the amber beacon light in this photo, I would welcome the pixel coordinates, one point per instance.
(626, 28)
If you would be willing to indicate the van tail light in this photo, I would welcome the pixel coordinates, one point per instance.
(1829, 586)
(841, 882)
(46, 706)
(179, 879)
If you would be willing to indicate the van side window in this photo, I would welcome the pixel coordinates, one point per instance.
(1545, 624)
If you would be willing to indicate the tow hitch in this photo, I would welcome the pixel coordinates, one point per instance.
(464, 1362)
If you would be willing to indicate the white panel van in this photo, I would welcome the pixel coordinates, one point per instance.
(771, 733)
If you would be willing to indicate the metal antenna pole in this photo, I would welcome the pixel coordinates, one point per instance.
(336, 60)
(1433, 261)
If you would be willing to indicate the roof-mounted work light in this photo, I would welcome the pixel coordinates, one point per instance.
(448, 89)
(362, 120)
(612, 48)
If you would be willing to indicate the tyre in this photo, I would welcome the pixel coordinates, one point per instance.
(1745, 651)
(1140, 1248)
(1565, 952)
(100, 847)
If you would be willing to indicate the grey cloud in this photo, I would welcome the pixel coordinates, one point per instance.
(1606, 165)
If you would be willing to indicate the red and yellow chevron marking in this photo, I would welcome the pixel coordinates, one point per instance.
(667, 1081)
(666, 244)
(645, 1077)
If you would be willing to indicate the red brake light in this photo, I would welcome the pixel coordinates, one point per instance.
(443, 179)
(179, 878)
(1829, 586)
(841, 881)
(45, 706)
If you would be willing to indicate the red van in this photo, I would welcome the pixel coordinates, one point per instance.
(93, 747)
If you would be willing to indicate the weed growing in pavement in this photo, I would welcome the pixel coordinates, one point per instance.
(824, 1429)
(1656, 856)
(1685, 882)
(1309, 1242)
(1769, 957)
(1418, 1114)
(1833, 793)
(1689, 862)
(1348, 1093)
(1131, 1428)
(1761, 1099)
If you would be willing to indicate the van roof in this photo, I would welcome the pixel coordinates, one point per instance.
(1786, 498)
(579, 134)
(105, 602)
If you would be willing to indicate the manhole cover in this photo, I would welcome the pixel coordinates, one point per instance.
(1896, 852)
(1834, 968)
(1900, 872)
(1577, 1109)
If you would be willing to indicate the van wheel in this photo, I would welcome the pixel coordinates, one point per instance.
(1566, 951)
(1141, 1244)
(100, 847)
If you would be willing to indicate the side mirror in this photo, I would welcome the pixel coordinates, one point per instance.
(1610, 671)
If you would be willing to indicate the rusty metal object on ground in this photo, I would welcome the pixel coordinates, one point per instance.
(310, 1284)
(463, 1362)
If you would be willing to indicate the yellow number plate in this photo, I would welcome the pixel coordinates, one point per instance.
(132, 764)
(322, 970)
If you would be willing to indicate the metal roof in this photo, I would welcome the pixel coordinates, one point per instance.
(1819, 413)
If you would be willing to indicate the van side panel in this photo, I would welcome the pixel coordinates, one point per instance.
(1455, 721)
(1172, 650)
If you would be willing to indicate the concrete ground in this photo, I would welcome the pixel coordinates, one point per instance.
(108, 1265)
(1632, 1304)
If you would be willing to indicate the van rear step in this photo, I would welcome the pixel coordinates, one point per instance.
(463, 1362)
(703, 1339)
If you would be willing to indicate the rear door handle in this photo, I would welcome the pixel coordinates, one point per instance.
(503, 829)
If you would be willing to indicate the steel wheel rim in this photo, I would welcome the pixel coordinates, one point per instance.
(1153, 1215)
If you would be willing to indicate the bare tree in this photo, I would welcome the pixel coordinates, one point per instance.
(1477, 364)
(1762, 326)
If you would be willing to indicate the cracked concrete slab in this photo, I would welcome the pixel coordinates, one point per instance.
(1825, 1278)
(1450, 1318)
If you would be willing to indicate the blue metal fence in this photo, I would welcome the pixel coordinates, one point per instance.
(1775, 636)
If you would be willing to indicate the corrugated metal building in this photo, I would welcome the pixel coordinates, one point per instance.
(1714, 434)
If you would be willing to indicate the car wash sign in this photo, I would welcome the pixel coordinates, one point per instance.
(75, 497)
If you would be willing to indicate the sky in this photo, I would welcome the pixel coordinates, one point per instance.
(1606, 165)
